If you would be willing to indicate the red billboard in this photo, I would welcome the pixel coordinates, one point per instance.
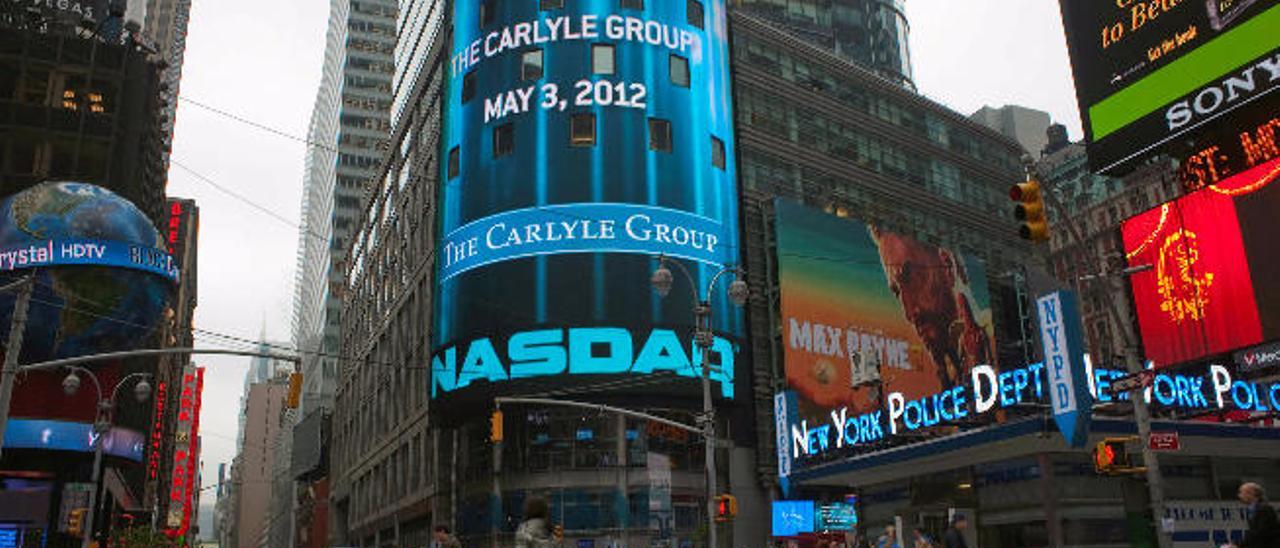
(186, 453)
(1214, 260)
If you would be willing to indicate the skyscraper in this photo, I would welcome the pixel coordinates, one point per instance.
(871, 33)
(349, 126)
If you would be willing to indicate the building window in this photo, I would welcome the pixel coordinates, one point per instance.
(679, 71)
(717, 152)
(486, 14)
(582, 130)
(504, 137)
(531, 65)
(455, 162)
(550, 4)
(631, 4)
(468, 86)
(602, 59)
(694, 9)
(659, 135)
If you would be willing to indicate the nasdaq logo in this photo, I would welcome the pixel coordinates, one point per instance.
(577, 351)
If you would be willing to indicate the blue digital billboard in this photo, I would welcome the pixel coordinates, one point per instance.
(86, 252)
(792, 517)
(579, 143)
(72, 436)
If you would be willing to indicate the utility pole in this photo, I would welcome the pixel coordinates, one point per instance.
(1133, 363)
(17, 326)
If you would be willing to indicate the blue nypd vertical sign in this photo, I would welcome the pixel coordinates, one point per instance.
(784, 410)
(1061, 333)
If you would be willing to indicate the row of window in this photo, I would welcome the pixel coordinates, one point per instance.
(694, 12)
(582, 133)
(603, 62)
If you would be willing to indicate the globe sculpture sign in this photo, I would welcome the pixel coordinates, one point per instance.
(100, 271)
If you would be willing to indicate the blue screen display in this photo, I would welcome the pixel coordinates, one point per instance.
(792, 517)
(72, 436)
(88, 253)
(578, 144)
(837, 516)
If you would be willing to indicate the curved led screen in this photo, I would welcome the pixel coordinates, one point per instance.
(579, 143)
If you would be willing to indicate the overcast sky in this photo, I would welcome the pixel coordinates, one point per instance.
(261, 60)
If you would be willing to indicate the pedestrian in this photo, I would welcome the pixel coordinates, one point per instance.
(443, 538)
(1264, 528)
(536, 530)
(920, 540)
(955, 535)
(889, 539)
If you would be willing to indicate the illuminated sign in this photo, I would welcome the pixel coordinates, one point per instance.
(1063, 342)
(578, 144)
(72, 436)
(867, 312)
(1237, 152)
(157, 432)
(987, 391)
(577, 351)
(1258, 358)
(837, 516)
(181, 215)
(186, 449)
(1148, 71)
(88, 252)
(1211, 253)
(792, 517)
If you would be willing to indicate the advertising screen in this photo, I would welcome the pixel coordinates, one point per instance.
(792, 517)
(72, 436)
(867, 313)
(1148, 72)
(581, 142)
(1212, 255)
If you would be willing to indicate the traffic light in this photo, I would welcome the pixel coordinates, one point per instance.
(1029, 210)
(1110, 456)
(75, 522)
(295, 390)
(495, 426)
(726, 507)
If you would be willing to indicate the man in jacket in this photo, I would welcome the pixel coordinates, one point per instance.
(1264, 528)
(955, 535)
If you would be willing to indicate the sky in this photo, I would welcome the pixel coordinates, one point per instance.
(260, 60)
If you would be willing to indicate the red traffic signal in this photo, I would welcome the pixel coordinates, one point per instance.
(726, 507)
(1029, 211)
(1110, 456)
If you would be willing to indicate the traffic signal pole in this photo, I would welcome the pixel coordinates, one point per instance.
(1133, 363)
(17, 326)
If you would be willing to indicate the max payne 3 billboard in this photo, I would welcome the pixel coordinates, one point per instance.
(1148, 72)
(1214, 260)
(873, 320)
(579, 143)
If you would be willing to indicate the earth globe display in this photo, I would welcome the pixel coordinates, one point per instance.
(81, 310)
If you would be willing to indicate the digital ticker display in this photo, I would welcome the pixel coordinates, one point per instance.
(579, 143)
(1147, 72)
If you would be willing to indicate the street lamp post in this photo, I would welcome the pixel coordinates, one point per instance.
(101, 427)
(704, 338)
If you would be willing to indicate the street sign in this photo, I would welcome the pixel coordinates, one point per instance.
(1133, 381)
(1063, 337)
(1164, 441)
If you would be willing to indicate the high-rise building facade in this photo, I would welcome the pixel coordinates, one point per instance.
(81, 103)
(815, 123)
(871, 33)
(1029, 127)
(349, 125)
